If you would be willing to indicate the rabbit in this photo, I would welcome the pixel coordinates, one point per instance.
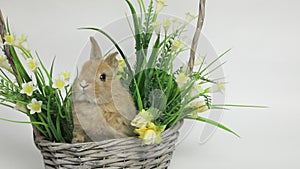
(102, 108)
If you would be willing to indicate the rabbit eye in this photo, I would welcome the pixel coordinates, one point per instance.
(103, 77)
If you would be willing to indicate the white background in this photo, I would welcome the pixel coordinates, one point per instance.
(262, 69)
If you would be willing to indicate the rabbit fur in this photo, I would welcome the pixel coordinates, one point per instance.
(102, 107)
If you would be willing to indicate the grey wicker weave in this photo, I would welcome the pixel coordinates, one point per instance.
(113, 154)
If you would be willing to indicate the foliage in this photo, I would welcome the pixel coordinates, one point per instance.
(28, 86)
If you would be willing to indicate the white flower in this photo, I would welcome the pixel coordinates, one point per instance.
(66, 75)
(167, 24)
(189, 17)
(177, 45)
(4, 63)
(28, 88)
(59, 83)
(160, 4)
(142, 119)
(218, 87)
(20, 107)
(200, 108)
(181, 78)
(35, 106)
(157, 27)
(9, 39)
(33, 64)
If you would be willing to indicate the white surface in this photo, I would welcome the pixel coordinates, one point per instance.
(262, 68)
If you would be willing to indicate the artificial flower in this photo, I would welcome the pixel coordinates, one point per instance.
(59, 83)
(28, 88)
(9, 39)
(157, 27)
(189, 17)
(150, 133)
(20, 107)
(66, 75)
(176, 45)
(142, 119)
(166, 25)
(160, 4)
(35, 106)
(4, 63)
(199, 107)
(32, 64)
(181, 78)
(218, 87)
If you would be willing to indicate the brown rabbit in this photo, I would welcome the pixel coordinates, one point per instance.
(102, 107)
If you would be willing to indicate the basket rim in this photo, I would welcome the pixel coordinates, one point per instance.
(40, 139)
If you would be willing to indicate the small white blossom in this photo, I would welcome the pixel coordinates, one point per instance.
(160, 4)
(66, 75)
(189, 17)
(218, 87)
(4, 63)
(33, 64)
(35, 106)
(9, 39)
(20, 107)
(166, 25)
(59, 83)
(157, 27)
(28, 88)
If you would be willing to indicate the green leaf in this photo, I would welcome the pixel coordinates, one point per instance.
(219, 125)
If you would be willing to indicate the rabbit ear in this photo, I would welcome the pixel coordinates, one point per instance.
(95, 50)
(111, 60)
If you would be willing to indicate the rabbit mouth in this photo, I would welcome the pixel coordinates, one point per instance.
(84, 97)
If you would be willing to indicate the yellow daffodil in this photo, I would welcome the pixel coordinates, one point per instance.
(28, 88)
(32, 64)
(66, 75)
(150, 133)
(160, 4)
(121, 65)
(142, 119)
(4, 63)
(181, 78)
(9, 39)
(167, 24)
(59, 83)
(218, 87)
(157, 27)
(35, 106)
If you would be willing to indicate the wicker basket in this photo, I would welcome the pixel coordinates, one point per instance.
(112, 154)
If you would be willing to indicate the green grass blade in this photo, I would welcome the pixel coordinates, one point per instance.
(219, 125)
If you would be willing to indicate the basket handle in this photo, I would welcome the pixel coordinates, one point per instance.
(196, 37)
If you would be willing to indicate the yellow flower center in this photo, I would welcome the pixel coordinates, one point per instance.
(28, 89)
(9, 39)
(59, 83)
(32, 64)
(181, 78)
(66, 75)
(35, 106)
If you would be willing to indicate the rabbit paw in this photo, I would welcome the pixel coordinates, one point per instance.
(78, 138)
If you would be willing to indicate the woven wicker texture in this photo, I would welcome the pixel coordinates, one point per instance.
(113, 154)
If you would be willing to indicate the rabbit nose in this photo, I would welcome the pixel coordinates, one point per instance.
(84, 84)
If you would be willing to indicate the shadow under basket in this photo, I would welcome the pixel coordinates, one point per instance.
(113, 154)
